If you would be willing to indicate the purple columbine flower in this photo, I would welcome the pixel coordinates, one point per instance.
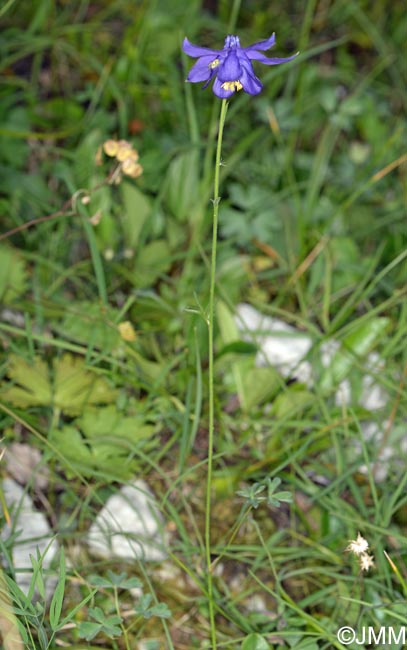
(231, 67)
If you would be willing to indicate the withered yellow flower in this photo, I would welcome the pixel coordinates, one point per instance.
(111, 147)
(127, 331)
(131, 168)
(124, 150)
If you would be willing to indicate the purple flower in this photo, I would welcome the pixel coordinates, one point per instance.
(232, 67)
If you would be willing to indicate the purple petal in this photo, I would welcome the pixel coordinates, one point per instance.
(231, 68)
(201, 71)
(232, 41)
(220, 92)
(261, 45)
(251, 84)
(257, 56)
(196, 50)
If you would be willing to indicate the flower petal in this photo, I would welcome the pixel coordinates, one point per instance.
(231, 68)
(201, 71)
(220, 92)
(257, 56)
(197, 50)
(251, 84)
(261, 45)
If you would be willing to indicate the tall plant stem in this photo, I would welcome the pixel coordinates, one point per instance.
(211, 317)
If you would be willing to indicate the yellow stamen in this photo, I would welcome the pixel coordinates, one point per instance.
(214, 64)
(232, 85)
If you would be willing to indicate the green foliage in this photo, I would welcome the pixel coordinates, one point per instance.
(363, 337)
(145, 609)
(255, 642)
(182, 191)
(13, 275)
(136, 211)
(55, 608)
(108, 625)
(115, 581)
(254, 385)
(252, 216)
(90, 324)
(104, 441)
(254, 494)
(152, 262)
(67, 385)
(32, 615)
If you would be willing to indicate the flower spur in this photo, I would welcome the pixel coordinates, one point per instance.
(231, 67)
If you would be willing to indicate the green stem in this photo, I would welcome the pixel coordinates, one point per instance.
(96, 257)
(216, 201)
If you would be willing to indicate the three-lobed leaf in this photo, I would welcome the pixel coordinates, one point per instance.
(13, 275)
(68, 385)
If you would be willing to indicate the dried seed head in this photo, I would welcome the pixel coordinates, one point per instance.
(124, 150)
(131, 168)
(96, 218)
(111, 147)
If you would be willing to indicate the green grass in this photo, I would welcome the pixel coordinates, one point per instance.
(312, 231)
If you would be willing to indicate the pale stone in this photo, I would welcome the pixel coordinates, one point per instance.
(129, 526)
(286, 349)
(281, 345)
(24, 463)
(33, 533)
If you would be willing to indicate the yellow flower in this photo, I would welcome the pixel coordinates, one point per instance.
(111, 147)
(124, 150)
(127, 331)
(127, 156)
(131, 168)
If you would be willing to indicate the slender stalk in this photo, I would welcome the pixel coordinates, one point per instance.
(216, 201)
(95, 256)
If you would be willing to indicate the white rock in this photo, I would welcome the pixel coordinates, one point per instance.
(343, 394)
(33, 532)
(129, 526)
(24, 463)
(391, 453)
(282, 346)
(256, 604)
(373, 396)
(285, 348)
